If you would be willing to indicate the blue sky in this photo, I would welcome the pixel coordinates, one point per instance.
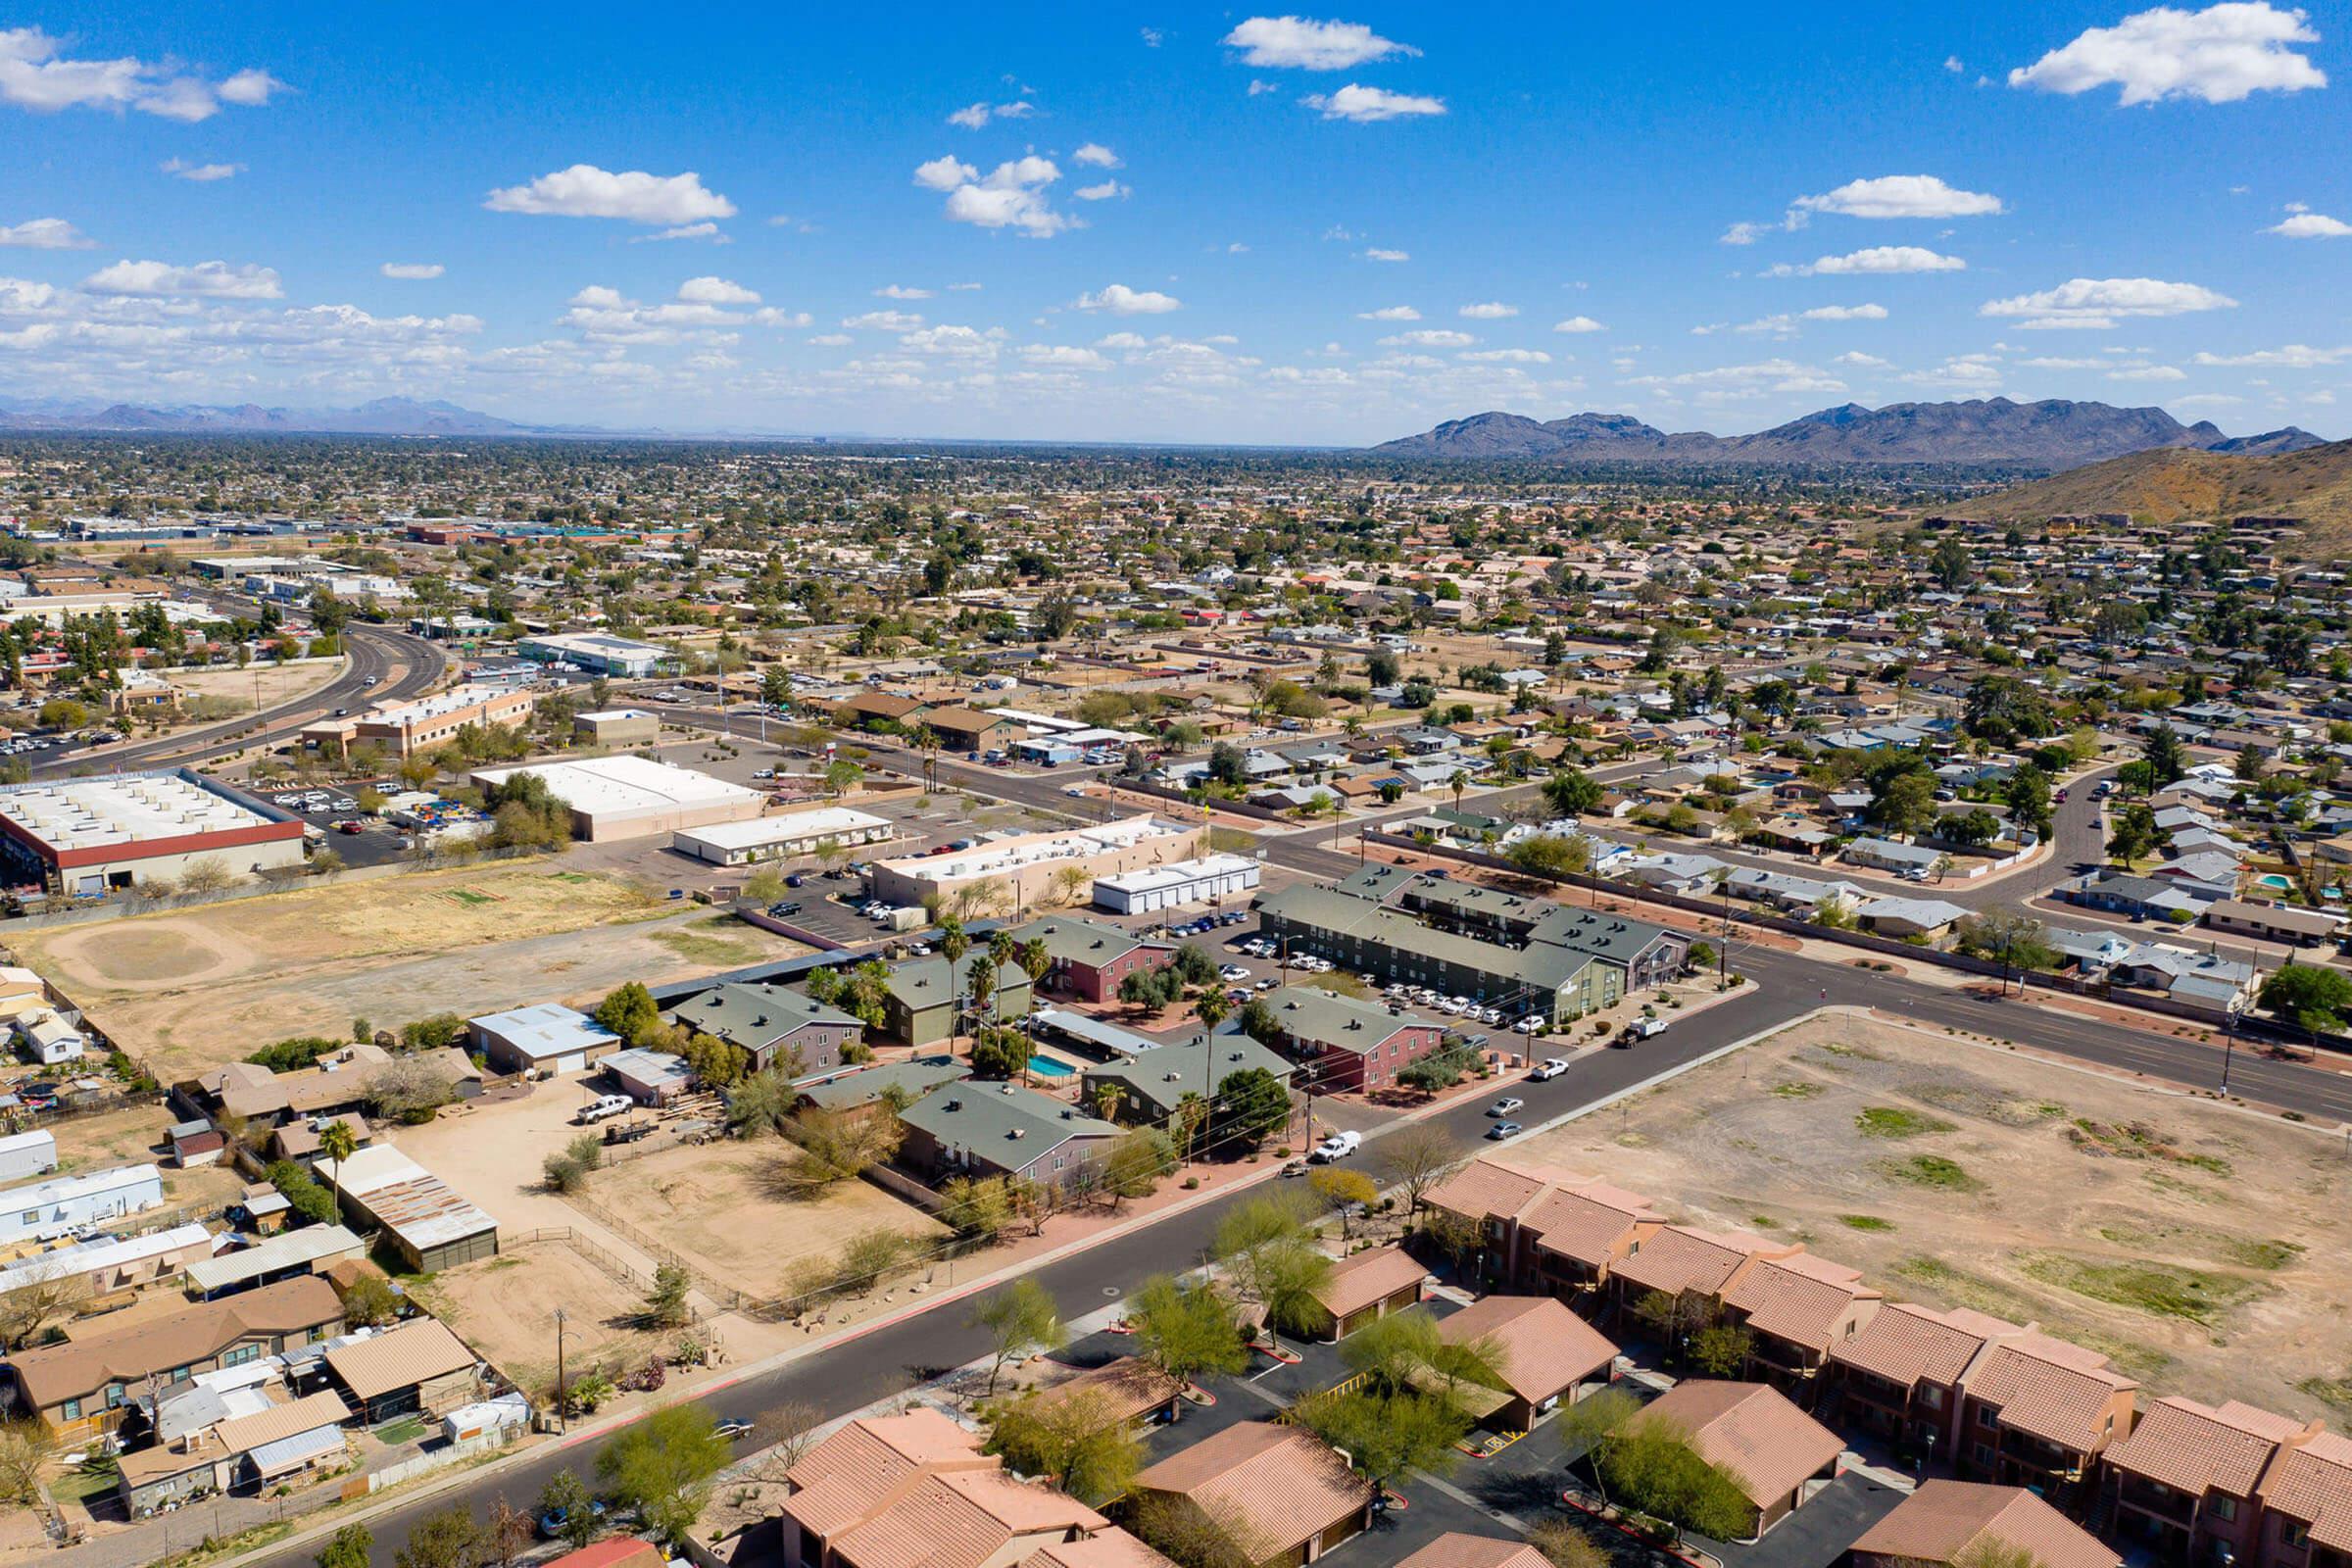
(1178, 225)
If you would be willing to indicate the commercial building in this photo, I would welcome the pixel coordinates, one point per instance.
(406, 728)
(618, 727)
(89, 836)
(420, 1215)
(546, 1037)
(599, 653)
(634, 797)
(772, 838)
(1036, 868)
(1168, 887)
(65, 1204)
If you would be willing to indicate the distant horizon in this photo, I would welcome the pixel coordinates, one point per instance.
(1199, 228)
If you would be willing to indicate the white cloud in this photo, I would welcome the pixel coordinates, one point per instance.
(2217, 55)
(1743, 233)
(953, 342)
(1429, 338)
(1964, 372)
(34, 75)
(973, 116)
(2095, 303)
(709, 231)
(1900, 196)
(963, 288)
(2311, 225)
(1735, 381)
(1389, 313)
(1490, 311)
(46, 235)
(1276, 42)
(1508, 356)
(944, 173)
(1063, 356)
(832, 340)
(205, 279)
(2147, 372)
(1846, 312)
(1377, 255)
(1578, 324)
(899, 291)
(1367, 105)
(1954, 65)
(715, 291)
(1013, 196)
(1096, 154)
(2293, 357)
(1861, 362)
(1123, 340)
(1120, 300)
(586, 191)
(201, 174)
(1878, 258)
(883, 321)
(1109, 191)
(412, 272)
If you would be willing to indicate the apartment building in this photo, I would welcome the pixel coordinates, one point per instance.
(1546, 1230)
(405, 729)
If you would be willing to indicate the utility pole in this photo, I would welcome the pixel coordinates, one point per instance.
(562, 1399)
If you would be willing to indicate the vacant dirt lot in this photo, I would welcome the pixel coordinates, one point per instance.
(2205, 1251)
(710, 1204)
(192, 989)
(504, 1307)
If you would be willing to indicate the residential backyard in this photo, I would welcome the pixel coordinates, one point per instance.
(504, 1307)
(2203, 1249)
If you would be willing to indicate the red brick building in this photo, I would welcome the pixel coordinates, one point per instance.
(1090, 959)
(1348, 1045)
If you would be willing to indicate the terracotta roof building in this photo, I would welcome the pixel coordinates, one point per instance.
(860, 1470)
(1682, 1262)
(1545, 1229)
(2307, 1505)
(2189, 1478)
(1545, 1353)
(1277, 1493)
(2037, 1411)
(1369, 1285)
(1797, 1307)
(965, 1519)
(1948, 1521)
(1458, 1549)
(1771, 1448)
(1899, 1378)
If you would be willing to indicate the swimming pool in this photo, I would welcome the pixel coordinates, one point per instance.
(1047, 1067)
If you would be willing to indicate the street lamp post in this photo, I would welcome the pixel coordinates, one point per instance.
(2229, 1046)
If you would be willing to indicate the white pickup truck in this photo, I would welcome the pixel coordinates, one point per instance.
(604, 1108)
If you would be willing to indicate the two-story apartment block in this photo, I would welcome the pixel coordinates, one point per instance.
(1797, 1307)
(1089, 959)
(771, 1024)
(1546, 1230)
(1344, 1045)
(2188, 1481)
(1899, 1376)
(2038, 1412)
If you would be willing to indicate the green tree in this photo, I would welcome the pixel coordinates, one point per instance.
(1388, 1434)
(1552, 855)
(1186, 1332)
(1076, 1437)
(663, 1467)
(565, 1498)
(449, 1538)
(630, 1012)
(1251, 1107)
(2166, 757)
(1134, 1163)
(665, 1303)
(1019, 1319)
(347, 1547)
(1572, 793)
(1722, 1349)
(2312, 996)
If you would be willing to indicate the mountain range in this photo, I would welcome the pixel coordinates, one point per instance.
(2312, 485)
(2052, 434)
(382, 417)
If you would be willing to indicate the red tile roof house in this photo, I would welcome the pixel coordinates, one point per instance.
(1798, 1307)
(2307, 1506)
(1456, 1549)
(1277, 1492)
(1545, 1229)
(1950, 1521)
(1351, 1046)
(1691, 1268)
(1899, 1378)
(1774, 1450)
(1546, 1355)
(1369, 1285)
(1088, 959)
(914, 1490)
(2188, 1479)
(2038, 1412)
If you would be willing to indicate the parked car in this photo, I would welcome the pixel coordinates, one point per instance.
(734, 1431)
(1339, 1146)
(604, 1108)
(1503, 1129)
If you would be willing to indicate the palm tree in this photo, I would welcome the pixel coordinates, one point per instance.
(1002, 949)
(1035, 959)
(337, 1142)
(1211, 1008)
(1460, 782)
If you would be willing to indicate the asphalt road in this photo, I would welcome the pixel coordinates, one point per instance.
(399, 664)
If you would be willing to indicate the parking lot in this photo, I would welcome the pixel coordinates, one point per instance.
(359, 839)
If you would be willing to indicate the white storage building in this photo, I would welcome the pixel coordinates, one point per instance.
(69, 1204)
(545, 1035)
(769, 838)
(27, 1154)
(634, 797)
(1181, 882)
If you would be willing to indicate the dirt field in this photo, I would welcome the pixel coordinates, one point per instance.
(504, 1307)
(708, 1203)
(2205, 1251)
(277, 683)
(192, 989)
